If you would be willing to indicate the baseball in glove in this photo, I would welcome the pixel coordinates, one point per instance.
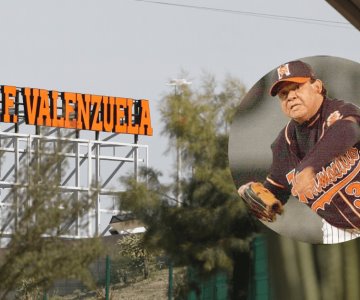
(261, 202)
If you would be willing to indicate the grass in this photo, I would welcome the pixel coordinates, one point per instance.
(153, 288)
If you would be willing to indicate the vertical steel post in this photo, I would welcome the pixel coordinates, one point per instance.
(170, 288)
(16, 198)
(77, 183)
(89, 155)
(97, 182)
(107, 278)
(178, 157)
(136, 153)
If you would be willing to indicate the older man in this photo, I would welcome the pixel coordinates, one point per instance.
(316, 156)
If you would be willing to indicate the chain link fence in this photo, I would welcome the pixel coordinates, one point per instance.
(121, 278)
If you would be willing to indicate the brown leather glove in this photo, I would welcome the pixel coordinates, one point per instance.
(261, 202)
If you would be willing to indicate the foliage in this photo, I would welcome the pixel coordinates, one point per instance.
(211, 226)
(100, 294)
(23, 291)
(132, 246)
(36, 253)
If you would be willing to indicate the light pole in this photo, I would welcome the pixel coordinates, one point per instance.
(176, 83)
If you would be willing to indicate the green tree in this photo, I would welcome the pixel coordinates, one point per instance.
(36, 254)
(132, 246)
(211, 229)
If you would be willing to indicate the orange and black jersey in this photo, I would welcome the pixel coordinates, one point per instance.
(330, 144)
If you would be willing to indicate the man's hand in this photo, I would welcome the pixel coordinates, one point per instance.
(304, 181)
(260, 201)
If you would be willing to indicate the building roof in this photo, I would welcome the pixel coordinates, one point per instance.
(125, 224)
(350, 9)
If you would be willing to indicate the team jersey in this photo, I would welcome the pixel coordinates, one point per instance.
(336, 193)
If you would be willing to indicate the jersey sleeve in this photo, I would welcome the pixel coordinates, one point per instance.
(280, 192)
(276, 179)
(345, 110)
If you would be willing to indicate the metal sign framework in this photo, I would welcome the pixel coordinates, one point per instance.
(88, 161)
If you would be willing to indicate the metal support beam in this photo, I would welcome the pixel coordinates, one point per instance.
(87, 162)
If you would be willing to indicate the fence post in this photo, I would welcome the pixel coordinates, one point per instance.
(107, 278)
(259, 281)
(170, 291)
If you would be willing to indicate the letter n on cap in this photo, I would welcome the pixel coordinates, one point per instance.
(283, 70)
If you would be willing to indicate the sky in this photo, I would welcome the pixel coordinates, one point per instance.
(130, 48)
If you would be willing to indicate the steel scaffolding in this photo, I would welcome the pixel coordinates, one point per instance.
(89, 162)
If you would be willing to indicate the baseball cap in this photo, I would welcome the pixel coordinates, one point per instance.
(294, 71)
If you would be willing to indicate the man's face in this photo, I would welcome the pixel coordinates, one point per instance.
(300, 101)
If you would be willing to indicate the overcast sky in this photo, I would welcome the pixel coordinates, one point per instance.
(131, 48)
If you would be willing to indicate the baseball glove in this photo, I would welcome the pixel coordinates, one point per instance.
(261, 202)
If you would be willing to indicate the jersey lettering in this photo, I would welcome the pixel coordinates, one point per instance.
(336, 176)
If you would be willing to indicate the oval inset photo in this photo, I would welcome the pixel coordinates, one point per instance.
(294, 149)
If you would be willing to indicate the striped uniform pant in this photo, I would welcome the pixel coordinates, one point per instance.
(333, 235)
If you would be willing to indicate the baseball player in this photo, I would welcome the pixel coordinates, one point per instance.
(316, 156)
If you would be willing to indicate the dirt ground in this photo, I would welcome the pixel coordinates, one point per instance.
(153, 288)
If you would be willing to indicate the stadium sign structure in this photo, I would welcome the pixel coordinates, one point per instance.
(59, 117)
(76, 111)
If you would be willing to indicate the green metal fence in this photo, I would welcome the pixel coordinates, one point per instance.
(259, 282)
(213, 288)
(110, 273)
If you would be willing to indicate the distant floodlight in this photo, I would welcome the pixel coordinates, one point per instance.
(178, 82)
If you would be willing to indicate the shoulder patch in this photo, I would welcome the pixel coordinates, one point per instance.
(333, 117)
